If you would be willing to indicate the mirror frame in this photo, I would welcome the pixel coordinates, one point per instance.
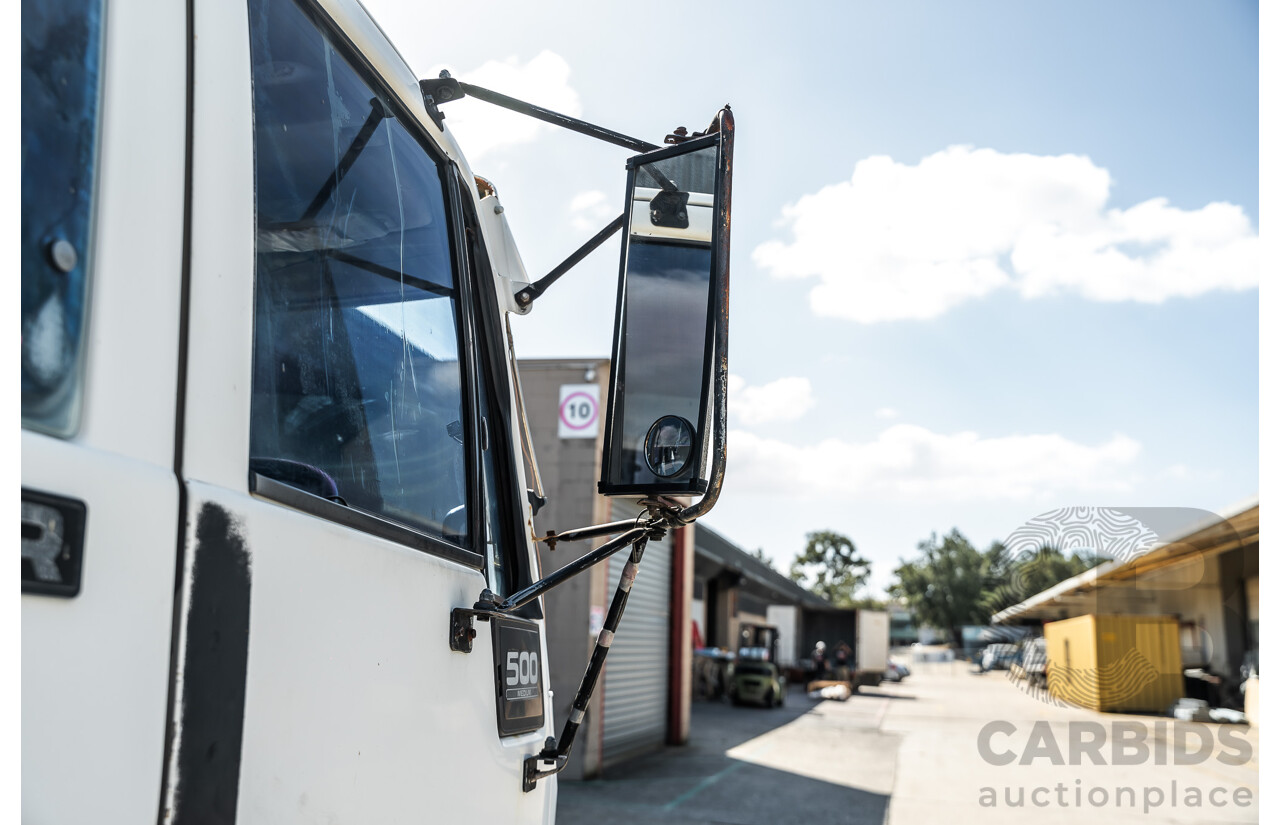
(717, 311)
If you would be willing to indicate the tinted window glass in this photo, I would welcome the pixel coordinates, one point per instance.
(496, 546)
(357, 391)
(662, 353)
(666, 321)
(60, 67)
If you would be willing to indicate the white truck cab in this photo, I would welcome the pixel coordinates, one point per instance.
(278, 552)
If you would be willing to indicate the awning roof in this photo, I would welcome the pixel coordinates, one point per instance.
(714, 547)
(1235, 526)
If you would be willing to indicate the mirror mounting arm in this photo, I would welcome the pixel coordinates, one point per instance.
(533, 291)
(634, 534)
(557, 752)
(462, 619)
(446, 89)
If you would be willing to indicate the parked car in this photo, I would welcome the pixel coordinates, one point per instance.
(895, 672)
(999, 657)
(1031, 662)
(758, 682)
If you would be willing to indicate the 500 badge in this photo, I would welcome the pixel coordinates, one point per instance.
(517, 651)
(522, 672)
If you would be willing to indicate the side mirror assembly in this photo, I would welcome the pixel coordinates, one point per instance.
(664, 423)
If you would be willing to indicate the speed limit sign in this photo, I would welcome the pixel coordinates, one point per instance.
(579, 410)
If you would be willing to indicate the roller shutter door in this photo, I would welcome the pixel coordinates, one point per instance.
(636, 672)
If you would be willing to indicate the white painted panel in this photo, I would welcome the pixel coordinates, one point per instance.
(95, 668)
(136, 278)
(220, 328)
(783, 617)
(873, 640)
(356, 710)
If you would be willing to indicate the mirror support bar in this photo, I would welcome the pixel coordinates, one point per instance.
(462, 630)
(461, 619)
(446, 88)
(533, 291)
(557, 754)
(573, 124)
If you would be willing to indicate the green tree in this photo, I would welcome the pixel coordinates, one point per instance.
(831, 567)
(1012, 579)
(947, 583)
(759, 555)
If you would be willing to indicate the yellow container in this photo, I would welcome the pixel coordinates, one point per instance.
(1115, 663)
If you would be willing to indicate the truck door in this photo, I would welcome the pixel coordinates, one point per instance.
(336, 451)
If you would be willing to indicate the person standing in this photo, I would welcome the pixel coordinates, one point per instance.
(820, 660)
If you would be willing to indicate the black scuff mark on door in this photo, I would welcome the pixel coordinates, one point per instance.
(215, 664)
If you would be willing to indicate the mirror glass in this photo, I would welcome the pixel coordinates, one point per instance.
(662, 336)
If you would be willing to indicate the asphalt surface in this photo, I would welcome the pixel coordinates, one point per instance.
(903, 754)
(746, 765)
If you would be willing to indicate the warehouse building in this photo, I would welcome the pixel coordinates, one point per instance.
(642, 701)
(735, 595)
(1202, 574)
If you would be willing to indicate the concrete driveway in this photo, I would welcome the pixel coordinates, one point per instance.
(750, 766)
(909, 753)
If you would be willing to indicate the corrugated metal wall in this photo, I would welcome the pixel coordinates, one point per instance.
(636, 672)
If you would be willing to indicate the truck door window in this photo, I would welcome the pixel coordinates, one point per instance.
(357, 384)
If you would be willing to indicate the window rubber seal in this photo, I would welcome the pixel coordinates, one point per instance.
(281, 493)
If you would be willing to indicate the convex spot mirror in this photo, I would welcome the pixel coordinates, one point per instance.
(672, 294)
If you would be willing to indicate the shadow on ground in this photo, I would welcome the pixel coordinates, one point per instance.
(701, 783)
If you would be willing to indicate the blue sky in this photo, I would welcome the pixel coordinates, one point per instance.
(1092, 345)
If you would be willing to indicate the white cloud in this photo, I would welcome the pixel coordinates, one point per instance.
(785, 399)
(886, 413)
(589, 211)
(910, 242)
(482, 127)
(912, 462)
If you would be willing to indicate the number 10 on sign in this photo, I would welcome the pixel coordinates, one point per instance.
(579, 410)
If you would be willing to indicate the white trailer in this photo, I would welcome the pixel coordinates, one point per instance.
(871, 654)
(784, 617)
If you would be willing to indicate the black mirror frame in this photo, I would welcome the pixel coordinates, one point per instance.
(721, 136)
